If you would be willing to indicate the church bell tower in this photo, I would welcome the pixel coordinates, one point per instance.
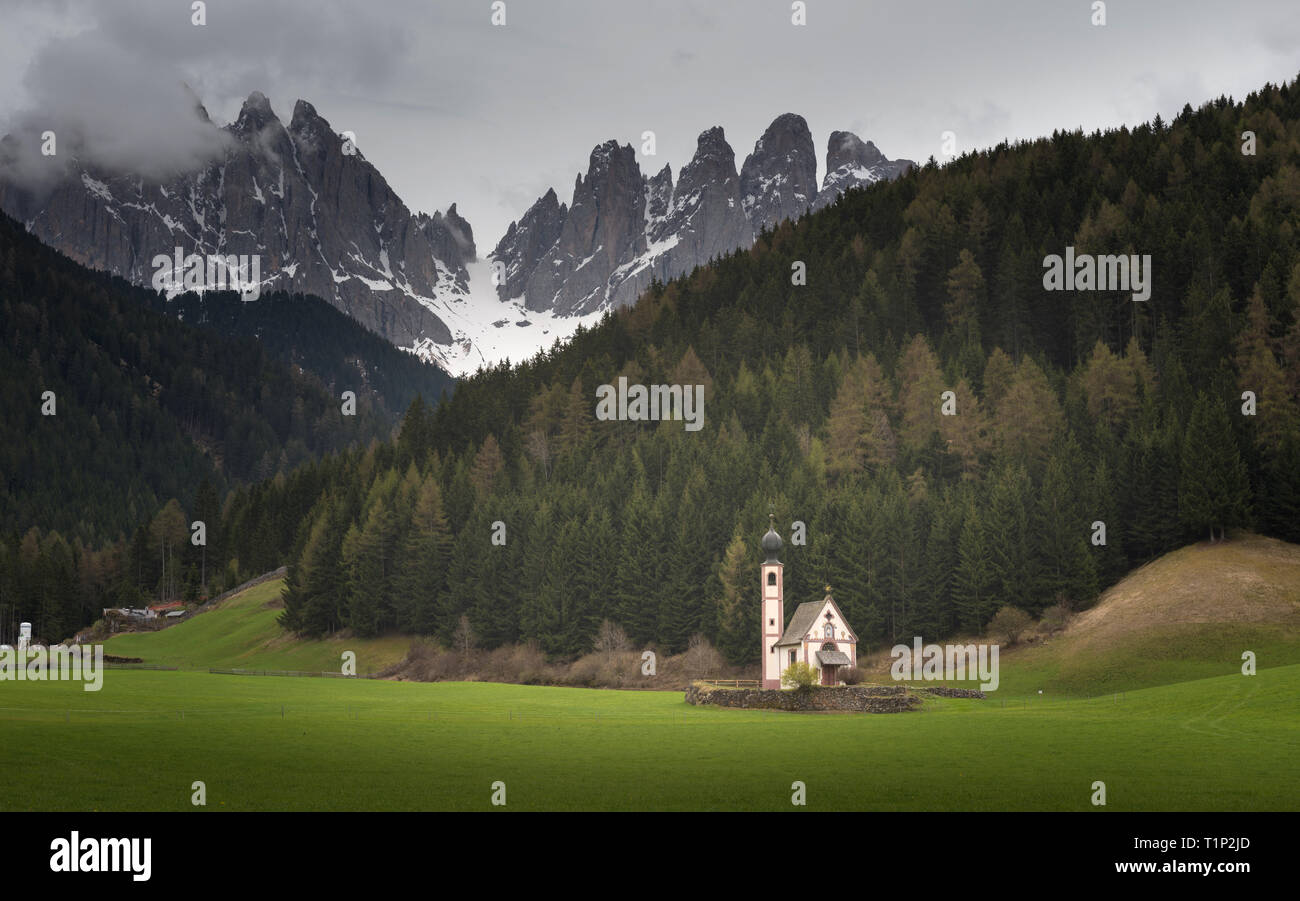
(773, 606)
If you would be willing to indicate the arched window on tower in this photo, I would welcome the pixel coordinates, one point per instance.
(771, 578)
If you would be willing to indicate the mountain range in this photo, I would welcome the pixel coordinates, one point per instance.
(325, 222)
(625, 229)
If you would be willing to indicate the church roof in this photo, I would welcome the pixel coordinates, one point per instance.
(833, 658)
(802, 622)
(805, 617)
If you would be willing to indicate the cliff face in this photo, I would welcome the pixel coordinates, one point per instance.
(625, 229)
(320, 217)
(322, 220)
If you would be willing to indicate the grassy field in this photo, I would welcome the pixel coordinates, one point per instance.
(284, 743)
(1142, 692)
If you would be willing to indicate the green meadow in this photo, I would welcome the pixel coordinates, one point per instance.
(1144, 692)
(242, 633)
(288, 743)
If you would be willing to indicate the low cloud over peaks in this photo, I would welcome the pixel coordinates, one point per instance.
(109, 110)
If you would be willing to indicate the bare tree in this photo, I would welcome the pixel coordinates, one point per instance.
(611, 639)
(702, 658)
(1009, 623)
(540, 448)
(464, 638)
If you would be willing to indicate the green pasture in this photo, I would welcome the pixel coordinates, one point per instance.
(242, 633)
(287, 743)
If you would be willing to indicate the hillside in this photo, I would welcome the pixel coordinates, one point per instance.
(146, 406)
(1188, 615)
(241, 633)
(305, 331)
(1185, 616)
(824, 403)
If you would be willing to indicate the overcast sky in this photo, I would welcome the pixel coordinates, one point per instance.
(453, 109)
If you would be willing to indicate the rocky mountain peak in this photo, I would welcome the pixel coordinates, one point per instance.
(779, 179)
(320, 221)
(851, 163)
(200, 111)
(845, 147)
(304, 118)
(527, 240)
(624, 229)
(255, 114)
(707, 213)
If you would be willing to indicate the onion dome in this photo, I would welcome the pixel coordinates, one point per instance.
(772, 543)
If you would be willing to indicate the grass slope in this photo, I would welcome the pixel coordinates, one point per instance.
(268, 743)
(1187, 615)
(242, 633)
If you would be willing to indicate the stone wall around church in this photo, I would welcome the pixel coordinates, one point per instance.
(854, 698)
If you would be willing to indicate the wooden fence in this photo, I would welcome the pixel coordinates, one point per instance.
(736, 683)
(276, 672)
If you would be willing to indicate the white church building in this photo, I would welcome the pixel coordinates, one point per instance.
(818, 633)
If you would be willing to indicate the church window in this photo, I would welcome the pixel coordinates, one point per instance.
(771, 578)
(771, 622)
(829, 631)
(792, 656)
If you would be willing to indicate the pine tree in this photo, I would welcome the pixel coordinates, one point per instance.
(488, 466)
(935, 613)
(1014, 567)
(426, 557)
(207, 509)
(738, 626)
(1213, 491)
(974, 582)
(1063, 524)
(638, 569)
(575, 431)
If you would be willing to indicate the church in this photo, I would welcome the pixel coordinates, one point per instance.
(818, 633)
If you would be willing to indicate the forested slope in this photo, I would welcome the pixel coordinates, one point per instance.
(823, 402)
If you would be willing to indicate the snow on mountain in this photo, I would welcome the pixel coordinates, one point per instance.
(322, 220)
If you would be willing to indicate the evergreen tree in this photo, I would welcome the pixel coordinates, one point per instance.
(738, 627)
(426, 555)
(1213, 491)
